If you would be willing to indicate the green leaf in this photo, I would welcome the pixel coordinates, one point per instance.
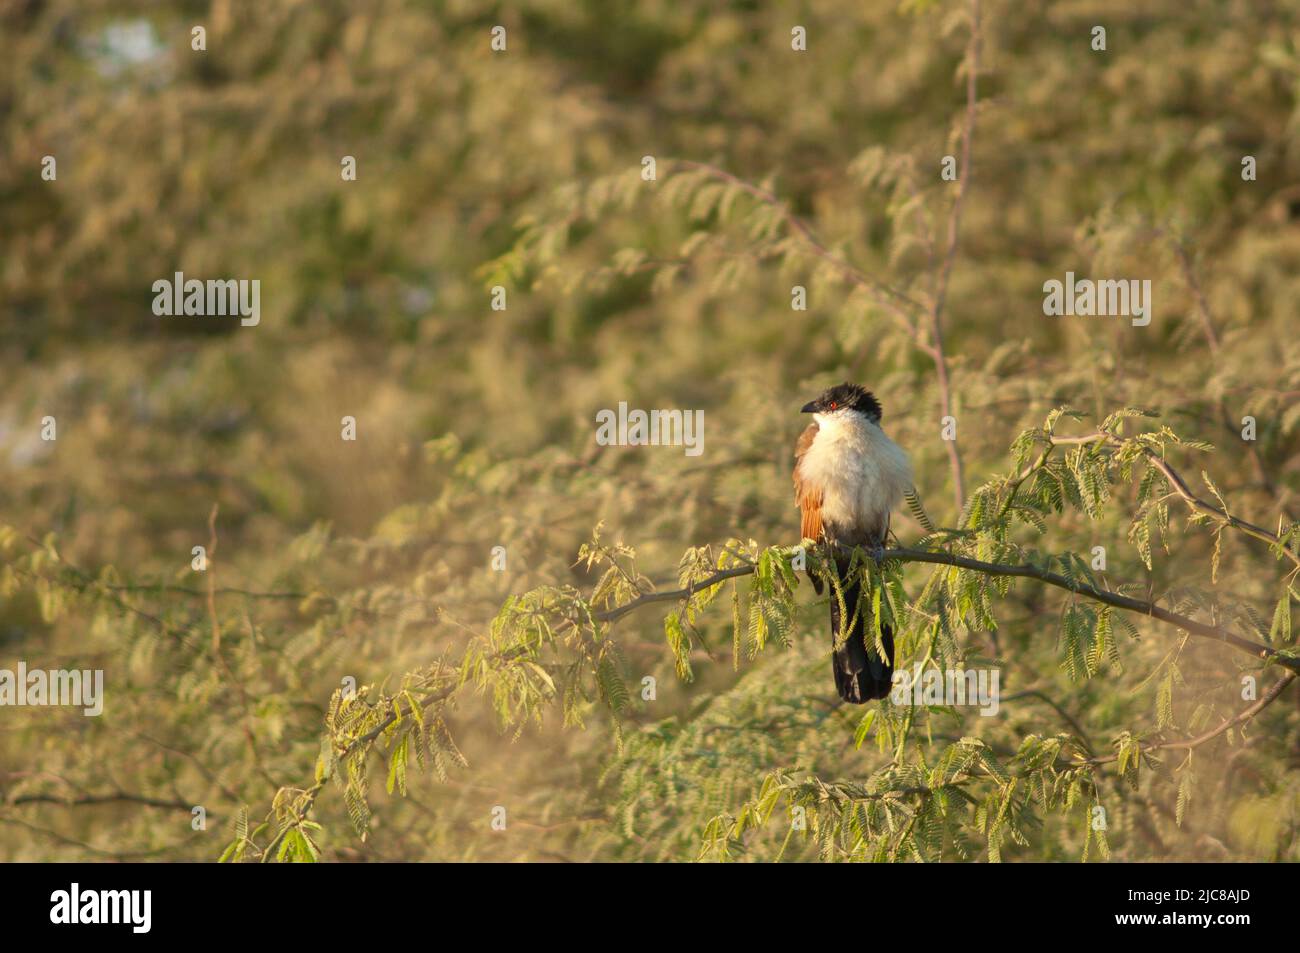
(1280, 631)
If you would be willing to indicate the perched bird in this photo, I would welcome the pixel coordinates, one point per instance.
(848, 477)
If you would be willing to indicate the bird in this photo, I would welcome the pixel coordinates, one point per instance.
(848, 478)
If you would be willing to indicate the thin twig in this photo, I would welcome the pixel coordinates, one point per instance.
(940, 295)
(899, 305)
(1189, 744)
(120, 797)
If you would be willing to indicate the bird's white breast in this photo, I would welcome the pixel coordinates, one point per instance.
(862, 473)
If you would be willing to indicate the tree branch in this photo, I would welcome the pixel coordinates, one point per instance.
(1181, 489)
(1142, 607)
(1196, 504)
(120, 797)
(896, 302)
(941, 283)
(1190, 743)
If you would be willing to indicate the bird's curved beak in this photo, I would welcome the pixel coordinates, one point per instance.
(809, 408)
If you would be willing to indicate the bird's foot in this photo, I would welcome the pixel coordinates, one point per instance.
(877, 552)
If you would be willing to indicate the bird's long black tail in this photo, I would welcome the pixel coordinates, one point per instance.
(860, 673)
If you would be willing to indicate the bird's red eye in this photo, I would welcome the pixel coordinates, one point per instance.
(834, 405)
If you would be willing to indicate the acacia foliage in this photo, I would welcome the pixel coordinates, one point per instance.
(372, 561)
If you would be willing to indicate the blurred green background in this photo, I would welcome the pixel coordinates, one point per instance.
(522, 169)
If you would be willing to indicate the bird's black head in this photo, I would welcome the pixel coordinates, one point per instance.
(846, 397)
